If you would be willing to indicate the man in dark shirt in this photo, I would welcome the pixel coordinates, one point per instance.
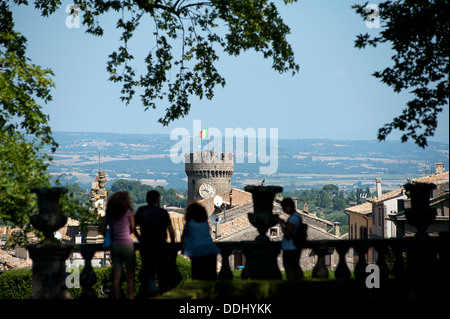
(154, 222)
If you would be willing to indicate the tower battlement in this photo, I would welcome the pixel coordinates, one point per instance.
(208, 173)
(208, 157)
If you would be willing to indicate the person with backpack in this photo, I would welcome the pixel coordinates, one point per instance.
(294, 234)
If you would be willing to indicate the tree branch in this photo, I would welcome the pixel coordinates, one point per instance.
(149, 6)
(196, 4)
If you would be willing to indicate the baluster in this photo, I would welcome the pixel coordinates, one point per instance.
(398, 270)
(225, 272)
(174, 276)
(360, 268)
(88, 277)
(381, 261)
(300, 264)
(433, 262)
(421, 259)
(443, 264)
(320, 269)
(342, 271)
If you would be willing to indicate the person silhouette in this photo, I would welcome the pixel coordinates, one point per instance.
(154, 223)
(119, 216)
(198, 244)
(291, 253)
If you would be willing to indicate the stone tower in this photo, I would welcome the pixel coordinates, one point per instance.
(99, 194)
(208, 173)
(98, 199)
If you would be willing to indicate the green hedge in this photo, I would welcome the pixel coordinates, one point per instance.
(103, 287)
(16, 284)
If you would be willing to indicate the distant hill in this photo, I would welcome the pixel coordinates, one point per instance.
(146, 158)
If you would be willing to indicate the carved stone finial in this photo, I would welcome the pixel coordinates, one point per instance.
(420, 215)
(49, 218)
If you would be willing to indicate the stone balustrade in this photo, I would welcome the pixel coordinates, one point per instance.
(397, 258)
(408, 261)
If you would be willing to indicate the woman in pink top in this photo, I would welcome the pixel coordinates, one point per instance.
(120, 219)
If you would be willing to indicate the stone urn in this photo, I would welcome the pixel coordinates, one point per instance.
(49, 255)
(420, 215)
(261, 254)
(49, 219)
(262, 218)
(421, 257)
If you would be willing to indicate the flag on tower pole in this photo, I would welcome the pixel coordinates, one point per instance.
(204, 133)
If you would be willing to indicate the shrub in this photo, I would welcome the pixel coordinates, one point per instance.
(104, 288)
(184, 267)
(16, 284)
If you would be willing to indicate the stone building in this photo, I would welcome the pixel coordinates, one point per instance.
(231, 197)
(359, 220)
(439, 199)
(382, 206)
(385, 207)
(209, 173)
(11, 260)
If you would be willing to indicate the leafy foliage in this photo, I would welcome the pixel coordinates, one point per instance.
(186, 35)
(138, 192)
(16, 284)
(20, 169)
(21, 83)
(23, 164)
(330, 202)
(418, 32)
(25, 137)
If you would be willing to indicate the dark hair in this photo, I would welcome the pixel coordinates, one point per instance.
(196, 212)
(288, 202)
(118, 204)
(152, 197)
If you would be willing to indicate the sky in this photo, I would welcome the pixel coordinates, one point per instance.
(334, 96)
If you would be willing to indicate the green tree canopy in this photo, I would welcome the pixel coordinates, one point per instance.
(331, 189)
(138, 192)
(23, 86)
(24, 128)
(339, 202)
(26, 142)
(181, 59)
(171, 77)
(419, 34)
(323, 199)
